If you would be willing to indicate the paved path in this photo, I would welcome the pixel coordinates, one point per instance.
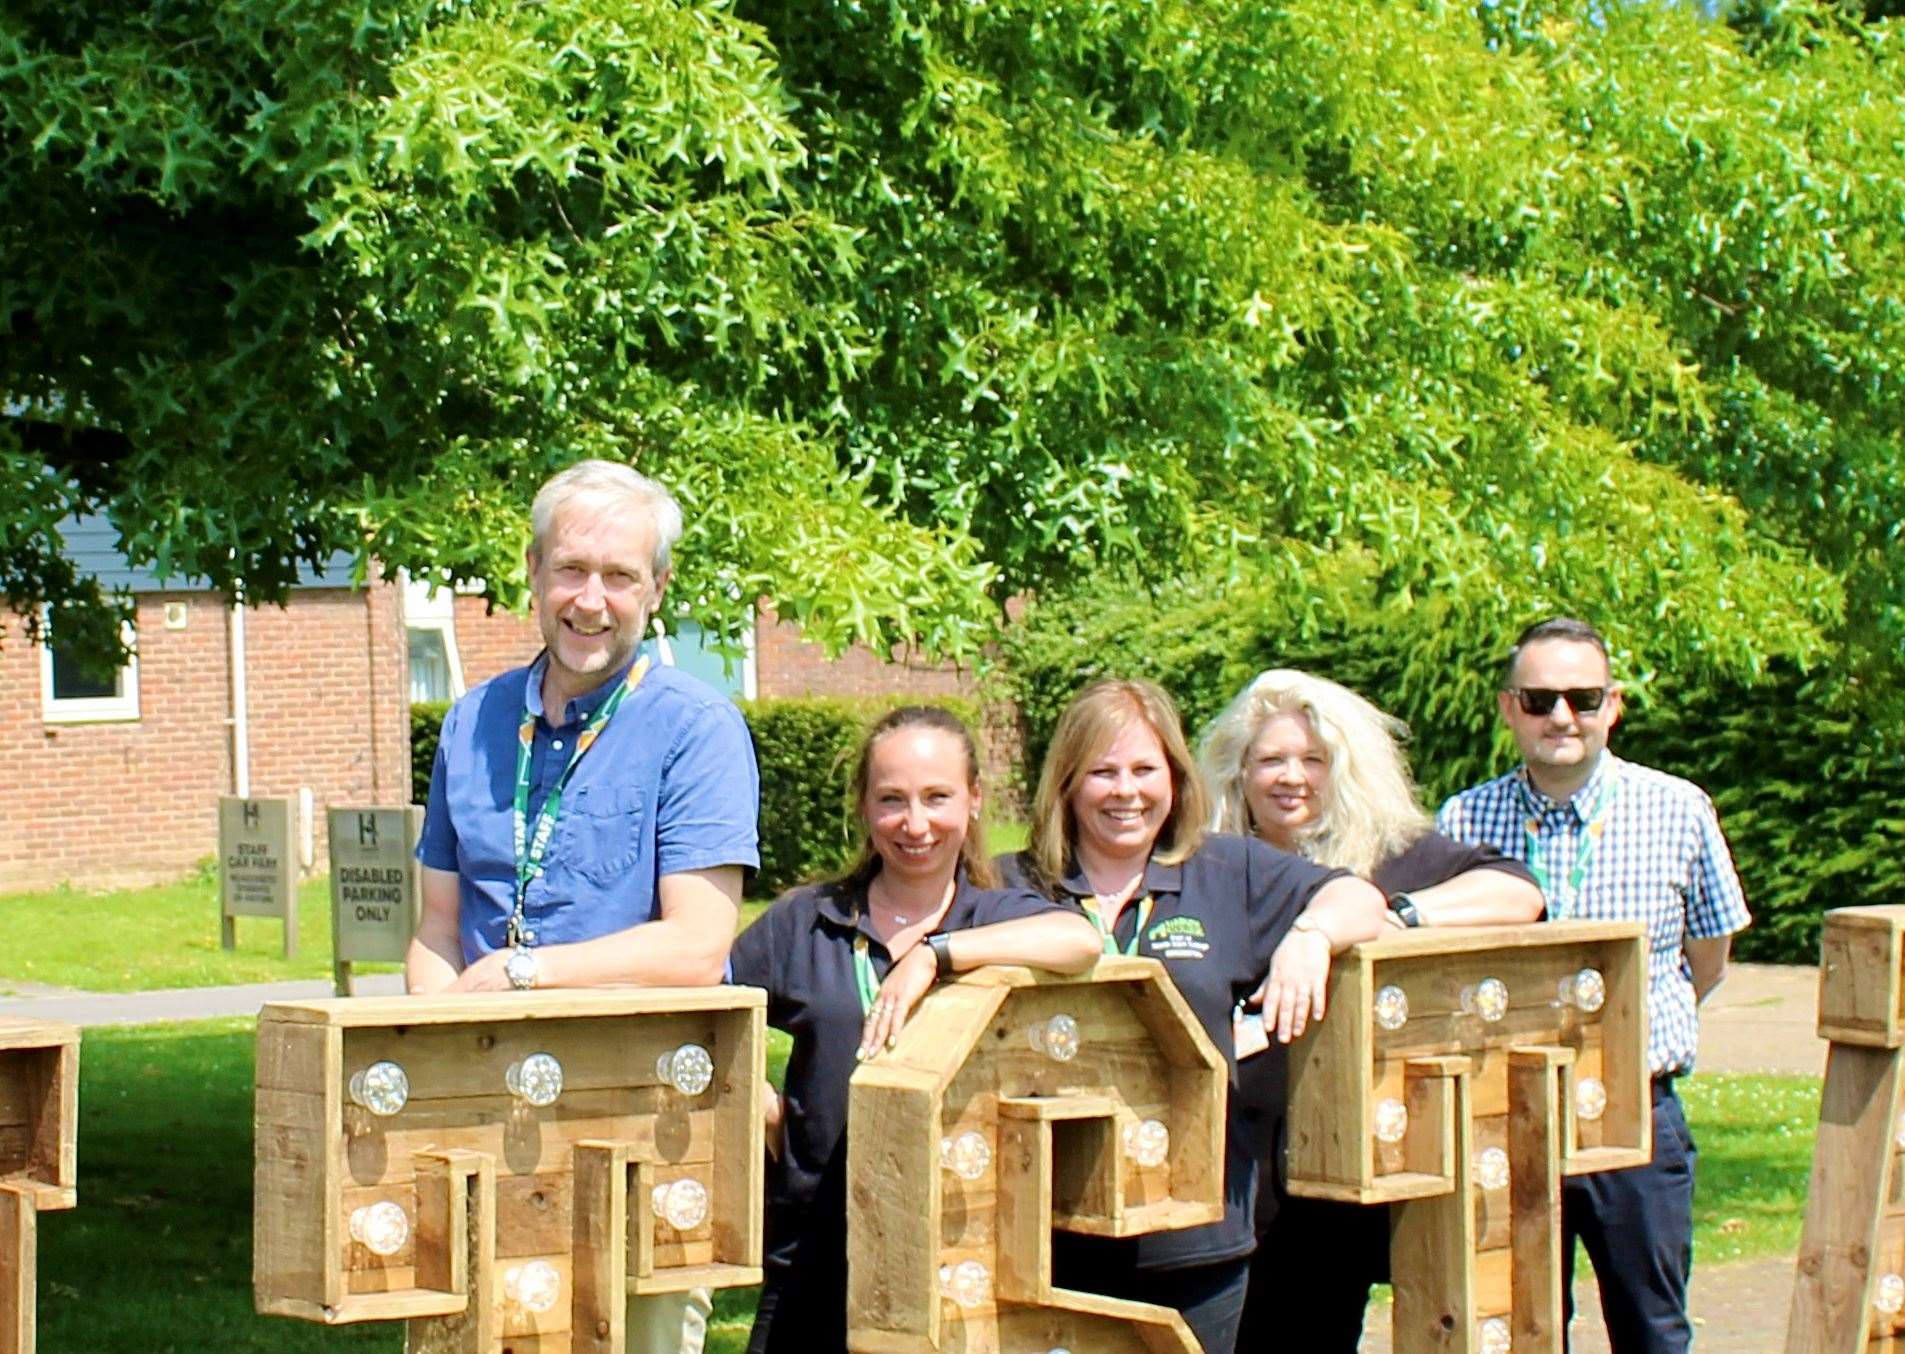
(178, 1003)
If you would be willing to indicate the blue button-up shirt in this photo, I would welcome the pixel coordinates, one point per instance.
(1661, 861)
(669, 785)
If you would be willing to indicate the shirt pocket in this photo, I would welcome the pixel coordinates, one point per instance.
(604, 831)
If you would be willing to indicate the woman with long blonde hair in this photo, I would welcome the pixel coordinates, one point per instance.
(1312, 768)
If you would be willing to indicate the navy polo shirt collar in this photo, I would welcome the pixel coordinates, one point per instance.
(582, 706)
(1158, 878)
(845, 905)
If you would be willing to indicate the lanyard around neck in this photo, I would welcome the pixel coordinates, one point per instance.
(532, 842)
(863, 979)
(1559, 904)
(1106, 940)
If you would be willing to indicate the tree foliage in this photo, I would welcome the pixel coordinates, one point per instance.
(1490, 308)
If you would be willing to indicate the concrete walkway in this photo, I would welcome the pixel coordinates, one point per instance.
(178, 1003)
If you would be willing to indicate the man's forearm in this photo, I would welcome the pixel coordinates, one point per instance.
(426, 968)
(662, 953)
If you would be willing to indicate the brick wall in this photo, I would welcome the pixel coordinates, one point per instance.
(489, 643)
(119, 802)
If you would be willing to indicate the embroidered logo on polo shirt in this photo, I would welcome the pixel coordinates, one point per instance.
(1178, 938)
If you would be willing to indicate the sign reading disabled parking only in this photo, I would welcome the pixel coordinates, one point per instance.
(375, 884)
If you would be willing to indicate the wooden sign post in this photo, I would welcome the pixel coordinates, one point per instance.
(1850, 1294)
(1013, 1104)
(258, 866)
(376, 886)
(1458, 1076)
(503, 1170)
(39, 1153)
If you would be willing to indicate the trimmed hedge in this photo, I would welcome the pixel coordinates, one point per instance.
(804, 746)
(426, 726)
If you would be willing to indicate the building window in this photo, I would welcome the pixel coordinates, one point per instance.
(436, 670)
(78, 689)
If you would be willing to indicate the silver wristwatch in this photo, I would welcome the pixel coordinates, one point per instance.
(520, 968)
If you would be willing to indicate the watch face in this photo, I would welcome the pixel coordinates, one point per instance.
(520, 969)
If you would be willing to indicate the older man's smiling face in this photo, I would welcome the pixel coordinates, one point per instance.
(595, 589)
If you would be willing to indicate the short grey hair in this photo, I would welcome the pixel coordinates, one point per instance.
(1554, 627)
(598, 481)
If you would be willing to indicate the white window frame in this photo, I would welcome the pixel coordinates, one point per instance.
(120, 709)
(428, 608)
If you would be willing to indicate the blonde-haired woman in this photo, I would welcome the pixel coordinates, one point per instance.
(1312, 768)
(1118, 831)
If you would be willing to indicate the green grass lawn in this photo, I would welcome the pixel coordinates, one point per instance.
(134, 940)
(157, 1257)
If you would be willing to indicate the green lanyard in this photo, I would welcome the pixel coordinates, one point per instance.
(863, 974)
(1106, 940)
(1560, 906)
(533, 844)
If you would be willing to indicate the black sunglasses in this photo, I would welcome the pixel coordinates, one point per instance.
(1539, 700)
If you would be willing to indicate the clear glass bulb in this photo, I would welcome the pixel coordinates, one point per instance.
(1491, 1168)
(1888, 1295)
(688, 1069)
(1496, 1337)
(1590, 1098)
(1057, 1038)
(1392, 1007)
(537, 1079)
(967, 1155)
(967, 1283)
(683, 1204)
(534, 1287)
(383, 1088)
(1487, 999)
(1586, 991)
(381, 1227)
(1392, 1120)
(1148, 1142)
(1898, 1129)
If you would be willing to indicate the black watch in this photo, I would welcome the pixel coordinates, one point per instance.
(1405, 907)
(941, 944)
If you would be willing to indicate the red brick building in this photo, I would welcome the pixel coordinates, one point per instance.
(115, 777)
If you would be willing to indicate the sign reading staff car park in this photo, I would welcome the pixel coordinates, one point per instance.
(257, 866)
(376, 886)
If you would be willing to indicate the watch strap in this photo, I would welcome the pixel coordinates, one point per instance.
(941, 944)
(1405, 908)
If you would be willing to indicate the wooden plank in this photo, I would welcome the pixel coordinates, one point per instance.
(295, 1180)
(463, 1221)
(1330, 1098)
(737, 1191)
(1432, 1241)
(1025, 1207)
(1535, 1117)
(598, 1321)
(19, 1269)
(527, 1145)
(1859, 976)
(1851, 1158)
(504, 1007)
(893, 1207)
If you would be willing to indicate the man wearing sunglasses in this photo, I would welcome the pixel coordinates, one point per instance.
(1614, 840)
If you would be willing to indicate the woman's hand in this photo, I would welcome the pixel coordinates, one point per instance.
(1294, 993)
(910, 978)
(772, 1120)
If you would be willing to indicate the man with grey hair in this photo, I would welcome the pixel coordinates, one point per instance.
(590, 815)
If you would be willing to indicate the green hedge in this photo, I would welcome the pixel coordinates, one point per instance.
(1807, 792)
(803, 745)
(426, 724)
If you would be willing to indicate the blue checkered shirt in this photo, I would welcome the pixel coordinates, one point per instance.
(1661, 860)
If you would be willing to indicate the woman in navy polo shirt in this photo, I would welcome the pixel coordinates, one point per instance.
(1118, 830)
(844, 962)
(1312, 768)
